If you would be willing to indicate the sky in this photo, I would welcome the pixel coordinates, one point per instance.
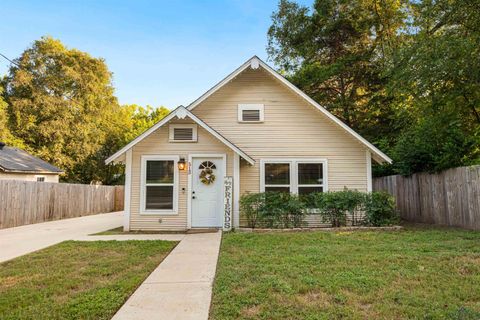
(160, 52)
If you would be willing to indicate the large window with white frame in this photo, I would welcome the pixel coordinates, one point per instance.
(301, 176)
(159, 185)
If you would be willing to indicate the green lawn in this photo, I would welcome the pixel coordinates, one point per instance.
(119, 230)
(417, 273)
(77, 280)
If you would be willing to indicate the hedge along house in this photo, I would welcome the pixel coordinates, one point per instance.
(253, 131)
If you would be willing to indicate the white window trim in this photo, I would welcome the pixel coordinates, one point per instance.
(172, 127)
(40, 176)
(293, 162)
(143, 185)
(259, 107)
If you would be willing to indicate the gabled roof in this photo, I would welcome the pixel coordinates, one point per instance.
(181, 112)
(14, 160)
(255, 63)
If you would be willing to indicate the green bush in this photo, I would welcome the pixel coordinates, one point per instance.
(252, 206)
(334, 206)
(380, 209)
(273, 210)
(293, 212)
(285, 210)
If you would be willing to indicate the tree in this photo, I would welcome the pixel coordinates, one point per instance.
(61, 104)
(436, 75)
(336, 54)
(129, 122)
(6, 135)
(435, 143)
(403, 73)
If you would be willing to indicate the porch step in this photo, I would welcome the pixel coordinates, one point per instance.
(202, 230)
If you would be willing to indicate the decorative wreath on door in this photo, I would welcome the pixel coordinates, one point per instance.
(206, 175)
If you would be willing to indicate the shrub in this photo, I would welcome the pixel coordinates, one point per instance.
(252, 205)
(285, 210)
(380, 209)
(273, 209)
(293, 211)
(334, 206)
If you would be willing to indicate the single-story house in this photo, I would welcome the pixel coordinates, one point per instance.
(16, 164)
(253, 131)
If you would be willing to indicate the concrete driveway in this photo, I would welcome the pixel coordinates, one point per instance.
(18, 241)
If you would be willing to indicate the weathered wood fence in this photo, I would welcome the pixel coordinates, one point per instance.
(25, 202)
(450, 198)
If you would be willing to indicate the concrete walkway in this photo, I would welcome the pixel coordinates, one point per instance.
(181, 286)
(21, 240)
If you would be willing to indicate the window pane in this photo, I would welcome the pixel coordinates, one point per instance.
(160, 171)
(159, 197)
(310, 173)
(277, 189)
(308, 190)
(277, 173)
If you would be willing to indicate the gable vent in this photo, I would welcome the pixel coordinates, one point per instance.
(250, 115)
(183, 134)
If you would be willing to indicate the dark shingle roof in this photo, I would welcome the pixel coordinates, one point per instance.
(17, 160)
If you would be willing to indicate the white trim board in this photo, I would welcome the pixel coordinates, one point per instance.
(181, 112)
(255, 63)
(128, 188)
(369, 171)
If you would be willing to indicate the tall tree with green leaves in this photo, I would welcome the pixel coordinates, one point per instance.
(436, 74)
(6, 135)
(336, 52)
(129, 122)
(61, 102)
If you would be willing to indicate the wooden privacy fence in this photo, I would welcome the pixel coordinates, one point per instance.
(451, 197)
(26, 202)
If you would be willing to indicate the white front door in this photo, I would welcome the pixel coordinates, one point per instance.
(207, 192)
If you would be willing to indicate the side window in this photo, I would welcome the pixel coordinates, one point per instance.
(277, 177)
(158, 185)
(310, 177)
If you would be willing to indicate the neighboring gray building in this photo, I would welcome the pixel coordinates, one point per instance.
(16, 164)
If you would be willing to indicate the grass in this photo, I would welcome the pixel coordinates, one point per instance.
(417, 273)
(119, 230)
(77, 280)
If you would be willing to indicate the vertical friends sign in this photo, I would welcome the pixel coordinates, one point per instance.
(227, 203)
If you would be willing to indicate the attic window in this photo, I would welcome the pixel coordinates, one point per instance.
(183, 133)
(250, 113)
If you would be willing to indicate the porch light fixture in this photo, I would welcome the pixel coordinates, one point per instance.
(182, 165)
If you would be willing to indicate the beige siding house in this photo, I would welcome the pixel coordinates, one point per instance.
(16, 164)
(253, 131)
